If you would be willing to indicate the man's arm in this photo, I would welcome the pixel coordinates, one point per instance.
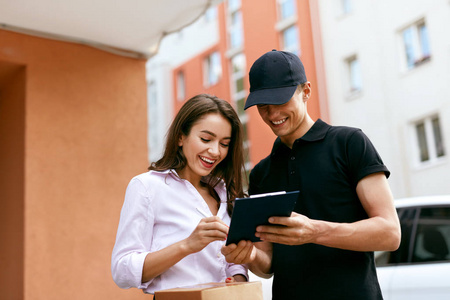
(381, 231)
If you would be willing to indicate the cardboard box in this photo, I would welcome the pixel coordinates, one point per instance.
(214, 291)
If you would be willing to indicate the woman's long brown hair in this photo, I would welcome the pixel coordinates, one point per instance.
(231, 168)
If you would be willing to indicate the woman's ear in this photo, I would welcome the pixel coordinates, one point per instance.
(180, 141)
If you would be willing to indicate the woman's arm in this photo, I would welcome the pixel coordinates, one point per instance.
(208, 230)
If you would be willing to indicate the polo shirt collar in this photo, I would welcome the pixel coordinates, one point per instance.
(316, 133)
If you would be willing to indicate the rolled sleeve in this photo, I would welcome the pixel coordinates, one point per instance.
(234, 269)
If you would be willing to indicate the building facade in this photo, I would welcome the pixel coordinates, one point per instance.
(214, 56)
(387, 65)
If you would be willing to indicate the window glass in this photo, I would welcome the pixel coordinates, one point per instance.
(212, 69)
(238, 63)
(433, 235)
(346, 6)
(422, 139)
(355, 75)
(290, 40)
(438, 137)
(416, 44)
(430, 143)
(286, 8)
(181, 86)
(234, 4)
(236, 37)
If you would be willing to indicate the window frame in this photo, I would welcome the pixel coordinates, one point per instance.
(434, 156)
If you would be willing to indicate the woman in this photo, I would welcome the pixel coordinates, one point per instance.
(175, 217)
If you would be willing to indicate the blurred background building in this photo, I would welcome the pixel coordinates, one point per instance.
(376, 65)
(387, 65)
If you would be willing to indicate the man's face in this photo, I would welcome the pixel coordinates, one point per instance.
(285, 120)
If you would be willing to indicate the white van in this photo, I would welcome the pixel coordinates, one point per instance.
(420, 268)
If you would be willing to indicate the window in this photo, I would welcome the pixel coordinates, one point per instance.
(354, 75)
(433, 235)
(428, 135)
(346, 6)
(287, 26)
(234, 5)
(416, 44)
(235, 29)
(211, 14)
(212, 69)
(235, 32)
(290, 40)
(238, 64)
(425, 237)
(286, 9)
(181, 86)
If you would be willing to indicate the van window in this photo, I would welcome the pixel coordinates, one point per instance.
(433, 235)
(425, 237)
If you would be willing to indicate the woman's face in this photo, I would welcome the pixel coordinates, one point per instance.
(205, 146)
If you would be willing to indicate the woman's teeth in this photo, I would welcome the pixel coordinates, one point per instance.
(209, 161)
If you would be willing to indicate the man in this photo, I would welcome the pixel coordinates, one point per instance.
(345, 209)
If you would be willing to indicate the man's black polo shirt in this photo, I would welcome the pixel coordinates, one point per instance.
(325, 165)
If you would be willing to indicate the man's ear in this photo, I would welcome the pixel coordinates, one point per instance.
(307, 90)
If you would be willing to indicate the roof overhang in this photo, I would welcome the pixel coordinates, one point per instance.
(131, 28)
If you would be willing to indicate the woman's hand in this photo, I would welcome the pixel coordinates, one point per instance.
(236, 278)
(242, 253)
(208, 230)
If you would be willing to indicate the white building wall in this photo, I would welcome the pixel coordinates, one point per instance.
(391, 98)
(174, 50)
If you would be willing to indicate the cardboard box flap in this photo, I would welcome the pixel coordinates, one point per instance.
(214, 291)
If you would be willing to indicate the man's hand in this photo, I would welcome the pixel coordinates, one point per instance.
(295, 230)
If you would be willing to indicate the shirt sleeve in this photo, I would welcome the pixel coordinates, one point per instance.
(363, 158)
(234, 269)
(133, 238)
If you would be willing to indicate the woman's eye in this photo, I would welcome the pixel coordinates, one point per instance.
(225, 145)
(205, 140)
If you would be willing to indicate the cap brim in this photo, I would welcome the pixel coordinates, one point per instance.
(275, 96)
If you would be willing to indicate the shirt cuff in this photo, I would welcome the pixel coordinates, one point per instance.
(234, 269)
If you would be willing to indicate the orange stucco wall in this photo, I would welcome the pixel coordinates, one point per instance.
(73, 133)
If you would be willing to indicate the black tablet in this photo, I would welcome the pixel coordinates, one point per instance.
(248, 213)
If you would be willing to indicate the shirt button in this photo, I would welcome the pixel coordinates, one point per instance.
(292, 172)
(219, 254)
(292, 157)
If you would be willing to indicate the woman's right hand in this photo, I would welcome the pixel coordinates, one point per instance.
(208, 230)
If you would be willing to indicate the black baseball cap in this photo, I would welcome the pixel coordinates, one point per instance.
(274, 77)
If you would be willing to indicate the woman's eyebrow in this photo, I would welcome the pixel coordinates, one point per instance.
(209, 132)
(213, 134)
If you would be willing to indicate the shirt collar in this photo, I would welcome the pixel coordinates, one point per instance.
(316, 133)
(174, 175)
